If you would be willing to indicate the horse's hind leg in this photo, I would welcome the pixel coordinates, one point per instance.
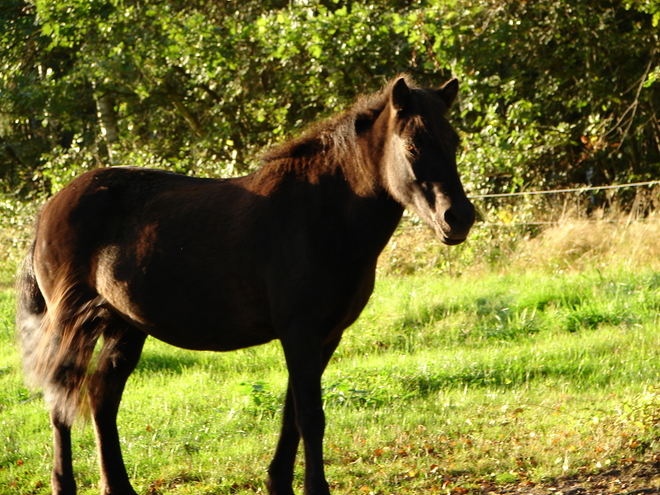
(122, 346)
(62, 481)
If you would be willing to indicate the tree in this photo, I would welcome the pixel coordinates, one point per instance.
(552, 93)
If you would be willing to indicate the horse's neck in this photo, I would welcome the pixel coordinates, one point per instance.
(354, 195)
(367, 212)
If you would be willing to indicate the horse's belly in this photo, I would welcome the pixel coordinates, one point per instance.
(215, 339)
(193, 317)
(202, 334)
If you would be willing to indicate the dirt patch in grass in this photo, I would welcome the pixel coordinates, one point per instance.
(631, 479)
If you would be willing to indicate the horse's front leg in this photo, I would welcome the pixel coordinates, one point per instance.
(303, 417)
(280, 471)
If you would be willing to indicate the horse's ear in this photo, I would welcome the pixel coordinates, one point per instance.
(400, 95)
(448, 92)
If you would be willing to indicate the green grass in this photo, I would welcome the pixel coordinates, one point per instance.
(444, 383)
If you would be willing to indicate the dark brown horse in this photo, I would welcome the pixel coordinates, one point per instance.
(288, 252)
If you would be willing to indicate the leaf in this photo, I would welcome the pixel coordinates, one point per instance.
(315, 51)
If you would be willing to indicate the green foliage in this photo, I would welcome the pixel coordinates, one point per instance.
(16, 220)
(643, 411)
(649, 6)
(263, 402)
(553, 93)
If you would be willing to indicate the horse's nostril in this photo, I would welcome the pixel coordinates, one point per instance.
(450, 217)
(460, 217)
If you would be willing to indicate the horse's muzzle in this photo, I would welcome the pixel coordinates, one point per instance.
(456, 222)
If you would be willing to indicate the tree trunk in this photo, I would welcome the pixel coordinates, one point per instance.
(105, 107)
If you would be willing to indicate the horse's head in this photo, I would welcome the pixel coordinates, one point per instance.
(418, 161)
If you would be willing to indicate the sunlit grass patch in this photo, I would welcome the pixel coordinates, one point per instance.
(444, 384)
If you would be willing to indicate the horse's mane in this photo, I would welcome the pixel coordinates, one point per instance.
(331, 144)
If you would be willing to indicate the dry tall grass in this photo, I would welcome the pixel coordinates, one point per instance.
(611, 236)
(582, 243)
(559, 234)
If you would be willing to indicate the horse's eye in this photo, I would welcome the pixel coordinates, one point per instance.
(411, 148)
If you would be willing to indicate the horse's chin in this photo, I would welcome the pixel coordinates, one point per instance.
(452, 242)
(447, 238)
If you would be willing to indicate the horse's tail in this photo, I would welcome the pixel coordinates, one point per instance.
(57, 336)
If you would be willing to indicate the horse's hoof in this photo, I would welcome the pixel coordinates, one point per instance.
(279, 489)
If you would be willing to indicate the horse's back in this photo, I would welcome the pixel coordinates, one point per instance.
(98, 208)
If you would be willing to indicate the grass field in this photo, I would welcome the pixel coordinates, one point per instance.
(447, 383)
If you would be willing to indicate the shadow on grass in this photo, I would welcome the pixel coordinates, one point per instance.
(489, 320)
(152, 362)
(502, 378)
